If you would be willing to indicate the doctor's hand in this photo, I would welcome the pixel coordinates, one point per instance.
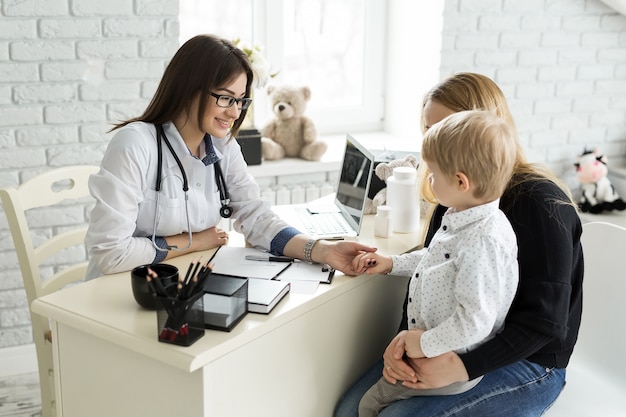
(339, 255)
(209, 239)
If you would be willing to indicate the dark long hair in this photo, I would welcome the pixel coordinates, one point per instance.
(201, 65)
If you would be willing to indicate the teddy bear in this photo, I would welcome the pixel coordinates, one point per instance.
(290, 133)
(598, 193)
(378, 187)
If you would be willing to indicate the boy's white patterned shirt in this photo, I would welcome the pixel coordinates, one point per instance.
(464, 282)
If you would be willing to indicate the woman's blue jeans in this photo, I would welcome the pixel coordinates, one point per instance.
(522, 389)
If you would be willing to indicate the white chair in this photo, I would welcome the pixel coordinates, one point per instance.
(42, 191)
(596, 375)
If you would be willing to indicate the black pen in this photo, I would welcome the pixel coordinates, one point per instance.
(270, 258)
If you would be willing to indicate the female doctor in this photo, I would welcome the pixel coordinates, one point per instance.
(170, 175)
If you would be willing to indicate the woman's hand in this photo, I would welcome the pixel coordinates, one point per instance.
(437, 372)
(209, 239)
(340, 255)
(420, 373)
(372, 263)
(395, 368)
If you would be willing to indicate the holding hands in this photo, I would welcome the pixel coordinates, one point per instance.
(340, 255)
(372, 263)
(419, 372)
(404, 347)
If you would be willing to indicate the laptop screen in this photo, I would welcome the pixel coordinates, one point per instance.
(354, 179)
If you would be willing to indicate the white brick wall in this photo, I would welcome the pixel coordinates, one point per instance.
(561, 64)
(68, 69)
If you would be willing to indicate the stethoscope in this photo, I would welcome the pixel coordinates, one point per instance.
(225, 211)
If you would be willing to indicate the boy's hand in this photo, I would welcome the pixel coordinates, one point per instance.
(413, 344)
(372, 263)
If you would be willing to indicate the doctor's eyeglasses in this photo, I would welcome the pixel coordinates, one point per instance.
(228, 101)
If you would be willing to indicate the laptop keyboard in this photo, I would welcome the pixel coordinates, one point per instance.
(322, 223)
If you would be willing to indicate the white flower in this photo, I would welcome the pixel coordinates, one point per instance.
(258, 63)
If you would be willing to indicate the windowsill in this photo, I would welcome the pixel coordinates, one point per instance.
(331, 160)
(291, 166)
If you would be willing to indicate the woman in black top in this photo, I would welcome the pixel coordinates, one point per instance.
(524, 365)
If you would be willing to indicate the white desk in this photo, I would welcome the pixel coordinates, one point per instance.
(297, 361)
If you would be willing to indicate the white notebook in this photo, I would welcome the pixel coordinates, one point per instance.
(264, 294)
(231, 260)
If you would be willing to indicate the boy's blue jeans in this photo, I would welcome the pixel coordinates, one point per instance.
(522, 389)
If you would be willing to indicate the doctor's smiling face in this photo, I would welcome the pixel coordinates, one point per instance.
(218, 120)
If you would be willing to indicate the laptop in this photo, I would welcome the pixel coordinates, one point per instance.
(343, 217)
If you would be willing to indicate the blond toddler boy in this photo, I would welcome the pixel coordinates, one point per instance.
(463, 284)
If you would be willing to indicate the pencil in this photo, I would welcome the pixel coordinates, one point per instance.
(191, 264)
(195, 269)
(157, 282)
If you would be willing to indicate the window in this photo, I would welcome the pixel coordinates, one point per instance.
(336, 47)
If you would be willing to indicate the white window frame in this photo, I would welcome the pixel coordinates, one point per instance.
(369, 115)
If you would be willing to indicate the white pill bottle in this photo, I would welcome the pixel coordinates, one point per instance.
(403, 199)
(382, 222)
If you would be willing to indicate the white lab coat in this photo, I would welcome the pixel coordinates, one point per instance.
(124, 190)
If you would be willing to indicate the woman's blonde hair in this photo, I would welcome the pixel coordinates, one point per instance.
(476, 143)
(472, 91)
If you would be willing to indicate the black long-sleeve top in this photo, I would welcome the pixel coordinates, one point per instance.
(542, 324)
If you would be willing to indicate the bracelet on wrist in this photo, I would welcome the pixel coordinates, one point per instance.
(308, 250)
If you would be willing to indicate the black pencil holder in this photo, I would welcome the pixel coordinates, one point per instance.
(180, 321)
(225, 301)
